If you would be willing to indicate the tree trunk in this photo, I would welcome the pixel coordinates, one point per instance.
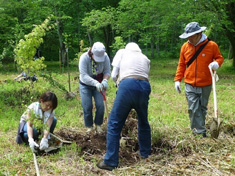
(158, 46)
(230, 55)
(230, 7)
(108, 38)
(78, 29)
(89, 37)
(146, 49)
(233, 50)
(231, 37)
(152, 47)
(60, 29)
(67, 54)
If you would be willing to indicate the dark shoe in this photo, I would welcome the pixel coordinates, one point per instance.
(204, 135)
(102, 165)
(143, 157)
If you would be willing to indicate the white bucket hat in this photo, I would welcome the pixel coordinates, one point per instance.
(98, 50)
(191, 29)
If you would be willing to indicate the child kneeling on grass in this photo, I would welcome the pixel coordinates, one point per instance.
(39, 118)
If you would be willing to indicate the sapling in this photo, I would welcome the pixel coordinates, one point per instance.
(38, 123)
(26, 48)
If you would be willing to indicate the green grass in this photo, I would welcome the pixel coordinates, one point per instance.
(167, 115)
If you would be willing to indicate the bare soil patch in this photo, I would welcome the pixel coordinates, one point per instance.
(192, 155)
(90, 144)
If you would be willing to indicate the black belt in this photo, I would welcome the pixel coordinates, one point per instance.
(85, 84)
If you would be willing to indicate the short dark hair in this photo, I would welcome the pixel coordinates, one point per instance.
(49, 96)
(90, 53)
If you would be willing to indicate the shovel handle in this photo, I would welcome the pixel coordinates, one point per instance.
(105, 103)
(63, 141)
(103, 95)
(214, 92)
(36, 164)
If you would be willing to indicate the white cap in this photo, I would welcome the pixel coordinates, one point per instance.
(98, 50)
(133, 47)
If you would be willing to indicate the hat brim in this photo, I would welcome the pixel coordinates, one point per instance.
(186, 35)
(99, 59)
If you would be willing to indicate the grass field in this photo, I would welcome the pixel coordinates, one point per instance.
(177, 151)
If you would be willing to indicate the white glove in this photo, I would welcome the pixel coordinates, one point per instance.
(105, 84)
(99, 87)
(214, 65)
(33, 145)
(177, 86)
(115, 73)
(44, 144)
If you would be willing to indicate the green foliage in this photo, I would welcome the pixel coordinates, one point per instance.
(82, 50)
(97, 19)
(7, 52)
(37, 122)
(118, 44)
(24, 93)
(26, 49)
(167, 114)
(67, 40)
(53, 82)
(153, 23)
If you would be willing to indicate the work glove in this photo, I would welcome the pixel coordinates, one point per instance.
(99, 87)
(33, 145)
(105, 84)
(44, 144)
(214, 65)
(177, 86)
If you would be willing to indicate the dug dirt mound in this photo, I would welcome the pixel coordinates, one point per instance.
(93, 144)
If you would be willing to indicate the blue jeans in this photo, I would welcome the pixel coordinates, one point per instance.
(36, 133)
(131, 94)
(86, 93)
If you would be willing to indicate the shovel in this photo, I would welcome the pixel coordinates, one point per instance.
(216, 121)
(56, 143)
(105, 103)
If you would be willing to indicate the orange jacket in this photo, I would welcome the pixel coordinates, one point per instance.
(198, 73)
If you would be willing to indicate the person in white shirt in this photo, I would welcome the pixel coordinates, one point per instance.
(39, 118)
(131, 73)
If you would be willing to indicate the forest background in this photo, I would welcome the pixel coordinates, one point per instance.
(61, 30)
(155, 25)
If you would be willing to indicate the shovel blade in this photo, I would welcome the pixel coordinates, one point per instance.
(215, 127)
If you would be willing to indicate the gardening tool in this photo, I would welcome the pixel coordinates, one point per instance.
(105, 103)
(36, 164)
(216, 121)
(56, 143)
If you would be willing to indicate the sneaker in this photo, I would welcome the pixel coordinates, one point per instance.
(99, 129)
(89, 129)
(102, 165)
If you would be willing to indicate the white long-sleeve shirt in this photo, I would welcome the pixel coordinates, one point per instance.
(130, 62)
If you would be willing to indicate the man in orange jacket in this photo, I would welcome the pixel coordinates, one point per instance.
(197, 75)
